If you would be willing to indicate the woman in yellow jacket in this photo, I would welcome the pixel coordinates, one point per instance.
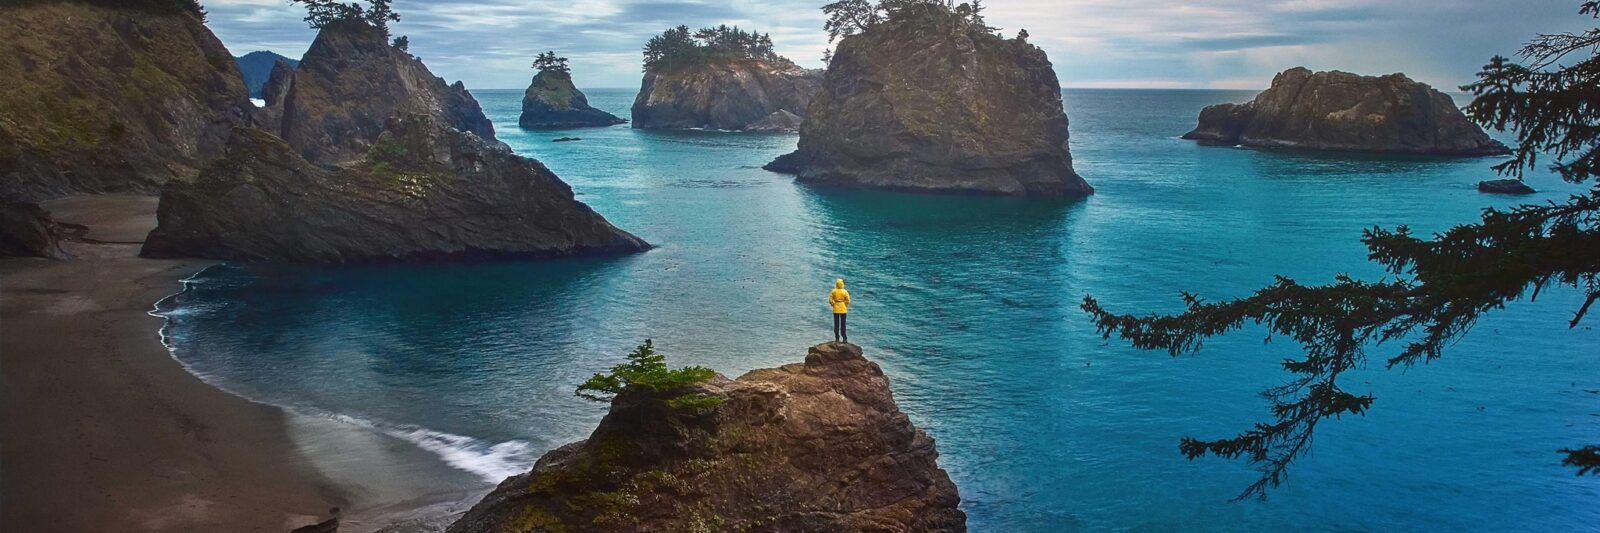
(840, 300)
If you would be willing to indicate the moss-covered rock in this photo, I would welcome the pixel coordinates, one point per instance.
(818, 446)
(101, 98)
(925, 102)
(552, 101)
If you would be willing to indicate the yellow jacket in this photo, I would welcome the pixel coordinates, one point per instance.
(839, 298)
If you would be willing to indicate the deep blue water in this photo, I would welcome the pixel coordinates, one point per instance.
(971, 306)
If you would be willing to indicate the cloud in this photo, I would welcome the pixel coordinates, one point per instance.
(1098, 43)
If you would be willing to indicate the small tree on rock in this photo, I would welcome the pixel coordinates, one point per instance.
(322, 13)
(648, 370)
(550, 62)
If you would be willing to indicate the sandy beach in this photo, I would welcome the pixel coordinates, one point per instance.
(104, 431)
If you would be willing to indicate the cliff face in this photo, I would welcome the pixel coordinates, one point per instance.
(910, 105)
(727, 95)
(257, 67)
(814, 446)
(423, 192)
(99, 99)
(26, 230)
(552, 101)
(351, 82)
(1343, 111)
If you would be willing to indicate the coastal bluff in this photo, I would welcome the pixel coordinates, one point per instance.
(818, 446)
(552, 101)
(1340, 111)
(100, 98)
(424, 191)
(911, 105)
(723, 95)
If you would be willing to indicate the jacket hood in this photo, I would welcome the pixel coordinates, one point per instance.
(838, 283)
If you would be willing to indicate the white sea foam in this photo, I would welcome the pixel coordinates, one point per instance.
(493, 462)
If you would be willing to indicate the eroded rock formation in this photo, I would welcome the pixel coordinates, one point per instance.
(1348, 112)
(911, 105)
(552, 101)
(722, 95)
(423, 192)
(818, 446)
(352, 81)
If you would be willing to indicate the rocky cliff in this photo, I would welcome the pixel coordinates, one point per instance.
(1343, 111)
(423, 192)
(552, 101)
(723, 95)
(922, 103)
(26, 230)
(352, 81)
(817, 446)
(256, 68)
(98, 98)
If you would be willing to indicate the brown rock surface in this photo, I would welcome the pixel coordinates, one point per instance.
(814, 446)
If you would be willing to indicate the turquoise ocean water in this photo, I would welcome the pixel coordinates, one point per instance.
(971, 306)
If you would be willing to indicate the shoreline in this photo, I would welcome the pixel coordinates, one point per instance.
(106, 430)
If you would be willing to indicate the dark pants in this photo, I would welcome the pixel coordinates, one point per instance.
(838, 328)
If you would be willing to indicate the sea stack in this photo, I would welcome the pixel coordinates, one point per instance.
(1347, 112)
(424, 191)
(352, 81)
(818, 446)
(711, 86)
(111, 99)
(910, 105)
(552, 101)
(257, 68)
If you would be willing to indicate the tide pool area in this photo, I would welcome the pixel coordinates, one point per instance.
(970, 304)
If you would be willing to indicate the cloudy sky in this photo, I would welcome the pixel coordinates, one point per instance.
(1093, 43)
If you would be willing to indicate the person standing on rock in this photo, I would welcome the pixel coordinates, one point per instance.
(840, 300)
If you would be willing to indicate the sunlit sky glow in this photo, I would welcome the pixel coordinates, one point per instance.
(1239, 44)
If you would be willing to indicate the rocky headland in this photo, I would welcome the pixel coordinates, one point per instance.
(109, 97)
(818, 446)
(1347, 112)
(424, 191)
(552, 101)
(927, 102)
(352, 81)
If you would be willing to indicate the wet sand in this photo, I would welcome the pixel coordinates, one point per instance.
(102, 430)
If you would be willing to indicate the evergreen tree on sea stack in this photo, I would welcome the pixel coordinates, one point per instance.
(549, 62)
(322, 13)
(1441, 285)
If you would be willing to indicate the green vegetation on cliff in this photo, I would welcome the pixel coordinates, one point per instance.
(678, 47)
(648, 370)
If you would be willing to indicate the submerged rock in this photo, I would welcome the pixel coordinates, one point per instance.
(818, 446)
(908, 106)
(1505, 186)
(26, 230)
(424, 192)
(1343, 111)
(552, 101)
(352, 81)
(110, 99)
(723, 95)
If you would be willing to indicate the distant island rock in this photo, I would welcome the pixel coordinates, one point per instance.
(697, 81)
(111, 99)
(552, 101)
(256, 67)
(907, 106)
(566, 139)
(352, 80)
(818, 446)
(425, 191)
(1505, 186)
(1347, 112)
